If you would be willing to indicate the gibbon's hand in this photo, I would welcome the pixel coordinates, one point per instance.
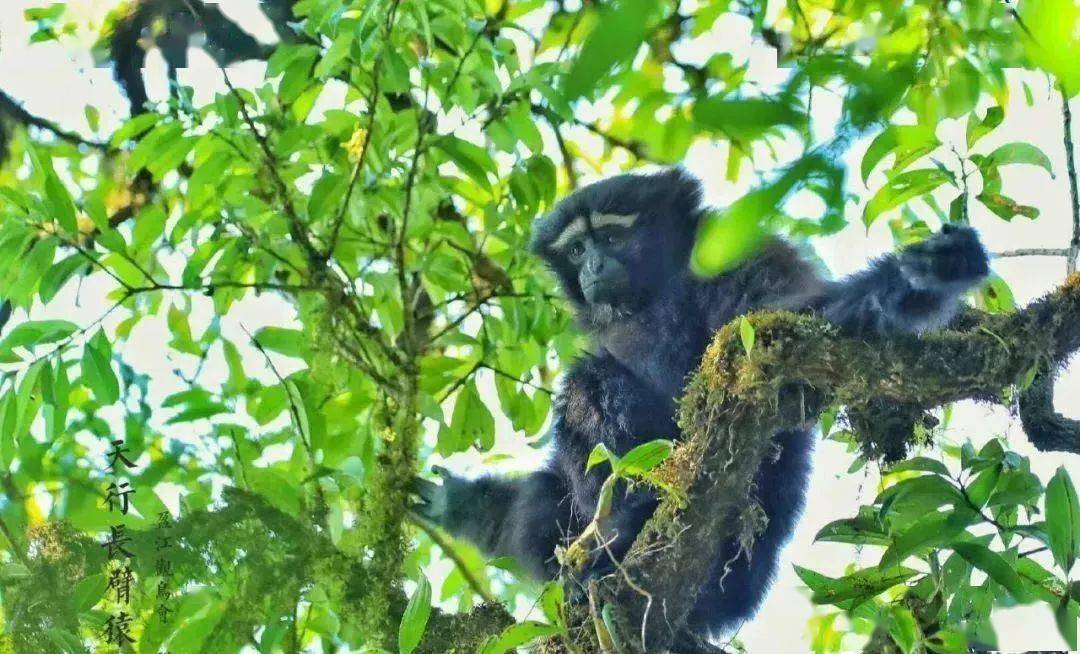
(433, 500)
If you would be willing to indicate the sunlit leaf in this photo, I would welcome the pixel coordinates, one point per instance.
(908, 142)
(1048, 29)
(993, 565)
(1021, 153)
(1063, 519)
(618, 35)
(644, 457)
(414, 620)
(900, 189)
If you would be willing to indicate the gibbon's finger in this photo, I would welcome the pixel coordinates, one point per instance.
(425, 490)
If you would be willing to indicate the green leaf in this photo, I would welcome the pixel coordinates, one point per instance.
(1063, 519)
(619, 33)
(746, 119)
(644, 457)
(1016, 487)
(918, 495)
(66, 641)
(335, 54)
(149, 226)
(59, 200)
(979, 490)
(976, 129)
(31, 268)
(935, 529)
(290, 342)
(921, 463)
(1065, 615)
(552, 601)
(89, 592)
(8, 426)
(275, 487)
(37, 332)
(904, 630)
(948, 642)
(728, 238)
(1005, 207)
(746, 333)
(960, 91)
(1048, 33)
(518, 635)
(326, 195)
(909, 142)
(858, 586)
(415, 618)
(14, 572)
(993, 565)
(473, 160)
(93, 117)
(97, 373)
(1020, 153)
(600, 454)
(62, 205)
(863, 530)
(134, 128)
(902, 188)
(58, 275)
(471, 423)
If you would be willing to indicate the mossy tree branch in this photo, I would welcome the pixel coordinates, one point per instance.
(734, 403)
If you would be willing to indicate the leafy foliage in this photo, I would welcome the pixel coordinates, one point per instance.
(364, 209)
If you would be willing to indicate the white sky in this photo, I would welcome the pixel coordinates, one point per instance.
(57, 82)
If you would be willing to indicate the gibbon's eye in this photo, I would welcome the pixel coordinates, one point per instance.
(576, 250)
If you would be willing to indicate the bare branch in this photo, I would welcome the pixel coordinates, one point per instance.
(1070, 165)
(1033, 252)
(10, 107)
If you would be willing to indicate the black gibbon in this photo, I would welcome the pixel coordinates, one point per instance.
(620, 249)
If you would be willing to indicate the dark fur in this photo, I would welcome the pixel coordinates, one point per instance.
(623, 393)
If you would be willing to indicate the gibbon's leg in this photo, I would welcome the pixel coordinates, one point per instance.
(916, 290)
(739, 580)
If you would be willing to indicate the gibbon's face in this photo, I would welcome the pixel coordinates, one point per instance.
(615, 243)
(601, 249)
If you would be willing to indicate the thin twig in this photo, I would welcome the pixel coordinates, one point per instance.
(1070, 164)
(1033, 252)
(373, 102)
(451, 552)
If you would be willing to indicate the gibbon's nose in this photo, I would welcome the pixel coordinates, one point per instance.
(594, 264)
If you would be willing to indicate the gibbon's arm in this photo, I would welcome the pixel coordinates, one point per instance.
(523, 517)
(526, 517)
(916, 290)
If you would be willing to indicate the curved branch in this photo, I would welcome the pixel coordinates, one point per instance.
(731, 408)
(1048, 430)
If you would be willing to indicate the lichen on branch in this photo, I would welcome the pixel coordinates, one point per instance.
(735, 402)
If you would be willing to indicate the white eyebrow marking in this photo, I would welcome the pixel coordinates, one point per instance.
(596, 221)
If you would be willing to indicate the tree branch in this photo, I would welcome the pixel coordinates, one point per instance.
(12, 108)
(1033, 252)
(731, 407)
(1074, 193)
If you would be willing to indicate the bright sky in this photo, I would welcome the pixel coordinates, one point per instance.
(56, 82)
